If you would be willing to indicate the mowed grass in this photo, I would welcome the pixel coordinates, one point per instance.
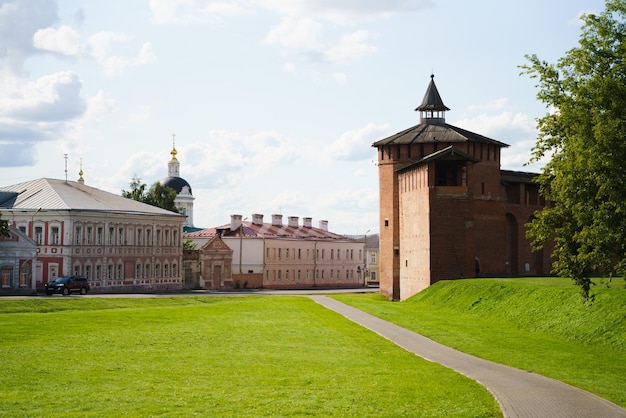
(535, 324)
(213, 356)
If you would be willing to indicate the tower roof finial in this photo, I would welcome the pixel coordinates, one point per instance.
(174, 152)
(81, 180)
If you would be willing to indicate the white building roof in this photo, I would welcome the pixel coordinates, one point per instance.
(54, 194)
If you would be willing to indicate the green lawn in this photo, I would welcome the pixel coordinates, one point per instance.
(535, 324)
(213, 356)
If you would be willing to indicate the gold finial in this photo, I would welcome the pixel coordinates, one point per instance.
(80, 173)
(174, 152)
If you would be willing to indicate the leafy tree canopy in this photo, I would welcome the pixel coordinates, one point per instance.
(157, 195)
(4, 227)
(584, 135)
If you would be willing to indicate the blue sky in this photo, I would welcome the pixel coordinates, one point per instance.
(274, 103)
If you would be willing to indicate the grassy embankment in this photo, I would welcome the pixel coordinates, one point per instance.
(213, 356)
(535, 324)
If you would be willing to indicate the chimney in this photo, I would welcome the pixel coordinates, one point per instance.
(307, 222)
(324, 225)
(293, 221)
(277, 220)
(257, 219)
(235, 222)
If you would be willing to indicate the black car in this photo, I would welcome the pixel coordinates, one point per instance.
(67, 285)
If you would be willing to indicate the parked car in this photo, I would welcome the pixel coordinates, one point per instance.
(67, 285)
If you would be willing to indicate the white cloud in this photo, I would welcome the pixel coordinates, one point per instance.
(19, 20)
(340, 78)
(350, 48)
(294, 32)
(64, 40)
(188, 12)
(497, 104)
(98, 46)
(118, 65)
(141, 114)
(50, 98)
(290, 68)
(345, 11)
(355, 144)
(518, 130)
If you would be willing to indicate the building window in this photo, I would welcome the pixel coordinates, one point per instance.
(89, 236)
(322, 274)
(373, 276)
(146, 271)
(139, 236)
(120, 236)
(111, 235)
(98, 272)
(77, 270)
(22, 229)
(279, 255)
(287, 275)
(332, 254)
(157, 270)
(148, 236)
(167, 237)
(373, 258)
(299, 253)
(299, 275)
(24, 270)
(99, 233)
(323, 252)
(267, 253)
(267, 275)
(138, 271)
(175, 238)
(54, 235)
(360, 255)
(174, 270)
(5, 276)
(166, 270)
(78, 235)
(286, 253)
(39, 235)
(332, 274)
(110, 271)
(88, 272)
(158, 237)
(120, 271)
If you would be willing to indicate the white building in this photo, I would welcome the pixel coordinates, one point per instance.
(292, 255)
(184, 198)
(119, 244)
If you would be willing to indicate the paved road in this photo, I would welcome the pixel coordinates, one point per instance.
(519, 393)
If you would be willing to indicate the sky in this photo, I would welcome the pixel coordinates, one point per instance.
(274, 104)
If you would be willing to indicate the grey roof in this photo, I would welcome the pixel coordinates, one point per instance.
(432, 99)
(429, 133)
(53, 194)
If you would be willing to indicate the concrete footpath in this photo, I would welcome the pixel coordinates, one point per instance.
(519, 393)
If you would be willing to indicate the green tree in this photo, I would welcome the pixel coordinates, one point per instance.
(137, 190)
(158, 195)
(4, 227)
(584, 136)
(161, 196)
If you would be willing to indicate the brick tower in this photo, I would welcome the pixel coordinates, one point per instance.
(445, 210)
